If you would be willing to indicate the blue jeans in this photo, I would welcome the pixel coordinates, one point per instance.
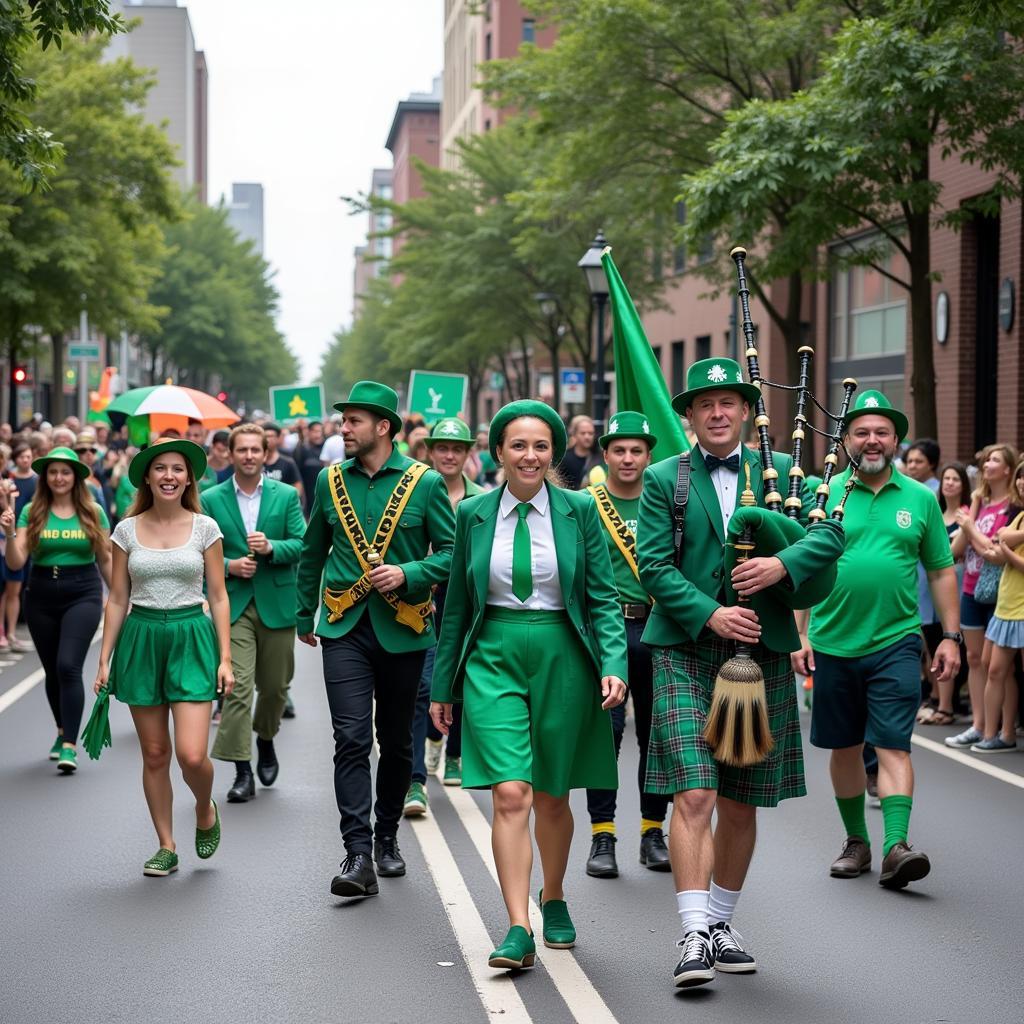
(422, 727)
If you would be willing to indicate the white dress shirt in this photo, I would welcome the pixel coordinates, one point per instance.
(725, 482)
(547, 591)
(249, 504)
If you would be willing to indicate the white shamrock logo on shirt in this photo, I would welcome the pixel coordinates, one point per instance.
(717, 373)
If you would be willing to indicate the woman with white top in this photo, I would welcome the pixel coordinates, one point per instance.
(169, 660)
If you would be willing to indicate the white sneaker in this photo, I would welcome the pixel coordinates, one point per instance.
(432, 755)
(965, 739)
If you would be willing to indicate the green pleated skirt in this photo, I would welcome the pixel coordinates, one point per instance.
(165, 656)
(532, 707)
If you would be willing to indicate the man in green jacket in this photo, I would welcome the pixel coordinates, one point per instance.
(379, 537)
(692, 630)
(262, 524)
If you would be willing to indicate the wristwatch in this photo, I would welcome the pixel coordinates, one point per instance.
(956, 637)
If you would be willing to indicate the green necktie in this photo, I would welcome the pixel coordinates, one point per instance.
(522, 570)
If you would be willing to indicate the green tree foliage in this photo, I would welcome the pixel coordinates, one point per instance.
(902, 89)
(94, 236)
(33, 152)
(220, 305)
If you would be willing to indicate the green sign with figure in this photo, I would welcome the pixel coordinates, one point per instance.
(437, 395)
(291, 402)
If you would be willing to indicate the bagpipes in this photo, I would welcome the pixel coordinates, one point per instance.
(737, 728)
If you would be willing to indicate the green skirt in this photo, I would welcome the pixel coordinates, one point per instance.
(532, 707)
(165, 656)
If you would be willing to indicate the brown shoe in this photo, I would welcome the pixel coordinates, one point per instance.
(903, 864)
(853, 861)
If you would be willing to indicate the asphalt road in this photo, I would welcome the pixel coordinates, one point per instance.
(254, 935)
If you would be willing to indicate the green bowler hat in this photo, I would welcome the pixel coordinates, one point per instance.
(377, 398)
(452, 429)
(627, 425)
(874, 403)
(528, 407)
(713, 375)
(61, 455)
(192, 451)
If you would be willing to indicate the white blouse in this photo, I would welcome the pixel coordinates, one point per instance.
(547, 591)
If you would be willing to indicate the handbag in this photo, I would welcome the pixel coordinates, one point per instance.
(987, 588)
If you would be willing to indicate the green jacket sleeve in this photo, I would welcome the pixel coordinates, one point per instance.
(814, 553)
(440, 522)
(603, 598)
(676, 596)
(457, 620)
(287, 549)
(316, 543)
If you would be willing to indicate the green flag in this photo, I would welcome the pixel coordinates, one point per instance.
(638, 381)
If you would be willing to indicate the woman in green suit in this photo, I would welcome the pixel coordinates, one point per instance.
(533, 644)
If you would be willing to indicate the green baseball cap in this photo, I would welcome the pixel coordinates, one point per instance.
(61, 455)
(874, 403)
(713, 375)
(628, 425)
(450, 429)
(192, 451)
(377, 398)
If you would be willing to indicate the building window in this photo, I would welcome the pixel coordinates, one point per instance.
(706, 249)
(678, 367)
(656, 349)
(529, 30)
(703, 347)
(869, 311)
(487, 46)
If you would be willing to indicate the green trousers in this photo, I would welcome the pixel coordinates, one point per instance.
(263, 661)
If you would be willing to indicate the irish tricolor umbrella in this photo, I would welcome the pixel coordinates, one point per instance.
(168, 406)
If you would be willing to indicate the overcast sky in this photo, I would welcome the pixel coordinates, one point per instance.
(301, 100)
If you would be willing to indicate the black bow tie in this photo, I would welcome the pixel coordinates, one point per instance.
(713, 462)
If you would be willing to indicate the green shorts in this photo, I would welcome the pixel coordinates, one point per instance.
(679, 757)
(532, 707)
(165, 656)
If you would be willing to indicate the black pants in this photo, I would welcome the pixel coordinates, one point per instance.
(357, 669)
(601, 802)
(62, 617)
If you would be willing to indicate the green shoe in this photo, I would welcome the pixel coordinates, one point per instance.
(67, 760)
(452, 771)
(208, 839)
(415, 805)
(55, 750)
(559, 931)
(162, 863)
(517, 951)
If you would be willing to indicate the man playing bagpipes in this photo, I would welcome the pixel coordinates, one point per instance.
(691, 529)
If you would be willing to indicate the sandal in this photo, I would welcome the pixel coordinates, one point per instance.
(926, 710)
(208, 839)
(939, 717)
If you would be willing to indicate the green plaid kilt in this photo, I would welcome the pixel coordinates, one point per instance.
(679, 758)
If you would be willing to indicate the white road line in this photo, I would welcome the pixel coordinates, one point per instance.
(972, 762)
(582, 999)
(18, 690)
(497, 991)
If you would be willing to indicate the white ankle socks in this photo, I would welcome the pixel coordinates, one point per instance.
(693, 909)
(722, 904)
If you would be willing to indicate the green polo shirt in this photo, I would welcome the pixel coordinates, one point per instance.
(874, 602)
(63, 542)
(630, 589)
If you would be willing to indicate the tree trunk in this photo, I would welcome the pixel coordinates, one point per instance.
(922, 377)
(57, 390)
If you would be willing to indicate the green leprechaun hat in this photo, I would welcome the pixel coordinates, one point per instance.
(452, 429)
(874, 403)
(377, 398)
(717, 374)
(628, 425)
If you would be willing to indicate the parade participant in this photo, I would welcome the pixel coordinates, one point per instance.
(864, 642)
(86, 450)
(532, 643)
(262, 525)
(579, 459)
(691, 631)
(307, 458)
(162, 659)
(488, 468)
(449, 446)
(66, 534)
(24, 479)
(627, 451)
(372, 520)
(278, 465)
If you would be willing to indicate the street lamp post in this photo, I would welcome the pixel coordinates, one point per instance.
(549, 307)
(597, 282)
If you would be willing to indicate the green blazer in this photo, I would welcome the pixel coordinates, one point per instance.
(584, 572)
(684, 601)
(280, 518)
(421, 545)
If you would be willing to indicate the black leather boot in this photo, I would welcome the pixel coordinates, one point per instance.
(243, 788)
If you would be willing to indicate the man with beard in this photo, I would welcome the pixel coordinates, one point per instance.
(380, 535)
(864, 643)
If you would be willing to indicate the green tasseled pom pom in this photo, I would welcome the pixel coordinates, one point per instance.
(96, 734)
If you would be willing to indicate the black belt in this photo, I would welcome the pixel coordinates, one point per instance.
(62, 572)
(636, 611)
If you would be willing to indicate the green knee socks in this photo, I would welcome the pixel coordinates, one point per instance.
(896, 816)
(851, 809)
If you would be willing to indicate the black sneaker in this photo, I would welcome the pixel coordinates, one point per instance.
(697, 964)
(653, 851)
(388, 857)
(730, 956)
(601, 863)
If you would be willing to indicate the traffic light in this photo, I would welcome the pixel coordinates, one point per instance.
(222, 396)
(19, 375)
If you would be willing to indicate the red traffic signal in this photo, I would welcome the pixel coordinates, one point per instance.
(222, 396)
(19, 375)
